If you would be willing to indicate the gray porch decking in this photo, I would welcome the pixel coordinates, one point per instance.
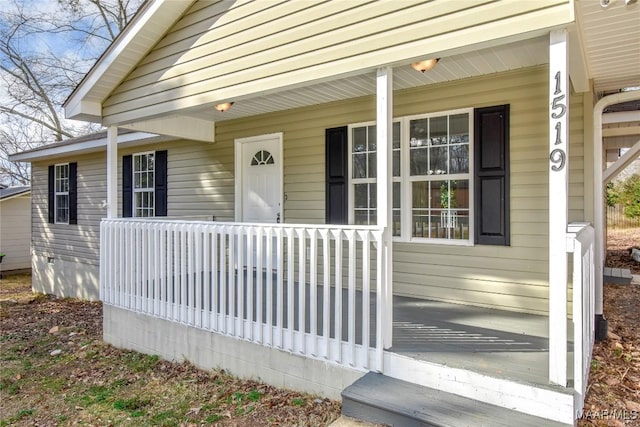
(498, 343)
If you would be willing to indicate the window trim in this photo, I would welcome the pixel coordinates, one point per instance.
(406, 180)
(135, 190)
(57, 193)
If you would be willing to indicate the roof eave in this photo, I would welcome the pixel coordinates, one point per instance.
(85, 102)
(85, 146)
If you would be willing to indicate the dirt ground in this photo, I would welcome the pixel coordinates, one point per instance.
(55, 370)
(613, 396)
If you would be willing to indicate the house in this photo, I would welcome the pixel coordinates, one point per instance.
(69, 200)
(15, 232)
(382, 191)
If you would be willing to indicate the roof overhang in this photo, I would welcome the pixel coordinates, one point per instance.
(150, 23)
(12, 193)
(86, 144)
(611, 41)
(594, 64)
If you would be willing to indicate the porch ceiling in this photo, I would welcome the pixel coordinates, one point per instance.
(521, 54)
(611, 39)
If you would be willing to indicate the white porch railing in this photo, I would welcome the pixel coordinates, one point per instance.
(305, 289)
(580, 239)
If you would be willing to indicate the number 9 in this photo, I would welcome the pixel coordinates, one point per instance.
(558, 157)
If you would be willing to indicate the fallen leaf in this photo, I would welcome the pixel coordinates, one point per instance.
(612, 381)
(632, 406)
(613, 336)
(54, 330)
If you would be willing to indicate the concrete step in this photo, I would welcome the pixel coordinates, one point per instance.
(620, 276)
(377, 398)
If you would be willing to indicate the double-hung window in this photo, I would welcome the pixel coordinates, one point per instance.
(143, 185)
(363, 166)
(62, 193)
(439, 177)
(432, 176)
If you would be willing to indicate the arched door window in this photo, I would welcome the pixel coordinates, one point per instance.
(262, 157)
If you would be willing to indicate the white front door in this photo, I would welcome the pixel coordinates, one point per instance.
(259, 167)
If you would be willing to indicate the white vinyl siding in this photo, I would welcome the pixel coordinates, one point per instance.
(209, 55)
(509, 277)
(78, 243)
(201, 184)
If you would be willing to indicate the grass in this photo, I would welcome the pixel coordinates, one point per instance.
(92, 383)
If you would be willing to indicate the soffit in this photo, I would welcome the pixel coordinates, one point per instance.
(611, 38)
(521, 54)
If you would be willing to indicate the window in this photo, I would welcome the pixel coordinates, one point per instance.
(262, 157)
(363, 161)
(143, 185)
(62, 194)
(432, 173)
(439, 176)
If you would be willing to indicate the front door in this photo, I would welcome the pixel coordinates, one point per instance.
(259, 189)
(259, 166)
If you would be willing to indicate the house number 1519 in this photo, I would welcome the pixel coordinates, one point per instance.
(558, 156)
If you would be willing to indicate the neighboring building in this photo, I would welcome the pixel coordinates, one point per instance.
(281, 121)
(15, 231)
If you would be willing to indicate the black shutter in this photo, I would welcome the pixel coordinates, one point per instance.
(161, 183)
(73, 193)
(337, 196)
(492, 175)
(127, 186)
(52, 194)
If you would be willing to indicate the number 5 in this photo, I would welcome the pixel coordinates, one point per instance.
(557, 104)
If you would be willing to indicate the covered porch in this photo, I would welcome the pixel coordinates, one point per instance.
(328, 292)
(318, 292)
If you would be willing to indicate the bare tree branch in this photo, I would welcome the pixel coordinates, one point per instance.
(44, 53)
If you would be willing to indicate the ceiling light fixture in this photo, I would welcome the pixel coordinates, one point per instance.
(425, 65)
(223, 107)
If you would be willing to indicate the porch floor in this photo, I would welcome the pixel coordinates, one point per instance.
(498, 343)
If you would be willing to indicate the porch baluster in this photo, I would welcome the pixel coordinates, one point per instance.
(301, 291)
(290, 285)
(338, 290)
(268, 270)
(313, 291)
(326, 291)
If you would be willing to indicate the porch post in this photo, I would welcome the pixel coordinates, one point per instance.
(384, 123)
(112, 172)
(558, 201)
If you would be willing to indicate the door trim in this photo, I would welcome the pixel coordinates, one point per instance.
(239, 144)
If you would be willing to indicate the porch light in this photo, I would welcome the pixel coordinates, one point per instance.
(223, 107)
(425, 65)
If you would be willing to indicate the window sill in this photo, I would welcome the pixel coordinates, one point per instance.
(440, 242)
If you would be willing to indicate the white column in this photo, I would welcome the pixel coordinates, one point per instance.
(384, 127)
(112, 172)
(558, 201)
